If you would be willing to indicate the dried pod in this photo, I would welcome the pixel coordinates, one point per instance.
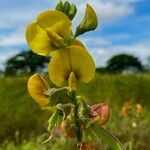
(68, 129)
(86, 146)
(100, 113)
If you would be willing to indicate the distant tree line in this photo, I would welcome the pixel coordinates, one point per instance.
(26, 62)
(122, 63)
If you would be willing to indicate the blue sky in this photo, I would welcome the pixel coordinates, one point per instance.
(124, 27)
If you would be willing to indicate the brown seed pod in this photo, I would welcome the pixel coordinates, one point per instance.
(86, 146)
(67, 129)
(100, 113)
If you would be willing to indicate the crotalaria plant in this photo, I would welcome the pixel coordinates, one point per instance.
(51, 35)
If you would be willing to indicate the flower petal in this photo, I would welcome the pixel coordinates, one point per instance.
(71, 59)
(36, 87)
(38, 40)
(54, 21)
(52, 30)
(76, 42)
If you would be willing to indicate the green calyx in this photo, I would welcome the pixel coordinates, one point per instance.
(67, 8)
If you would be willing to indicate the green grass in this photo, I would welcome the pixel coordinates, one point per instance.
(22, 122)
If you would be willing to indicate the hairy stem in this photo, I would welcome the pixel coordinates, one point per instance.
(76, 117)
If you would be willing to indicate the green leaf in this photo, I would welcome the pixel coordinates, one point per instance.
(112, 141)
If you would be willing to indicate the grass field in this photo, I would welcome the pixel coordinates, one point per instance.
(23, 124)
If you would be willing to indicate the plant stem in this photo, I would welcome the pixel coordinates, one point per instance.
(76, 117)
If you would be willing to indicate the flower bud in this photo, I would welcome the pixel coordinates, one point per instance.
(89, 22)
(101, 113)
(66, 8)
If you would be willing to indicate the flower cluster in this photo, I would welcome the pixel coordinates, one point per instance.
(132, 111)
(51, 35)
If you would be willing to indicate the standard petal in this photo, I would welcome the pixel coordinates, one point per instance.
(38, 40)
(82, 63)
(59, 67)
(36, 87)
(71, 59)
(54, 21)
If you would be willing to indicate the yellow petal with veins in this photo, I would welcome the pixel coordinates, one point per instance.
(71, 59)
(38, 40)
(51, 31)
(36, 87)
(54, 21)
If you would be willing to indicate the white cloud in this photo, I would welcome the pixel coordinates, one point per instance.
(95, 41)
(12, 39)
(108, 11)
(23, 13)
(101, 55)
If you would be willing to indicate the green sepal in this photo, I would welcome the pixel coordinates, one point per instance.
(66, 7)
(55, 120)
(58, 95)
(102, 133)
(83, 111)
(60, 6)
(72, 12)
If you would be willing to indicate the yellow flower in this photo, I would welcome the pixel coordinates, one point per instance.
(125, 110)
(139, 108)
(50, 31)
(37, 87)
(71, 59)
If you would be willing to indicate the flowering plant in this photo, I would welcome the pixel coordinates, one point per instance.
(51, 35)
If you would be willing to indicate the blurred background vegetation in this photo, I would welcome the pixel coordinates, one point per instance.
(123, 80)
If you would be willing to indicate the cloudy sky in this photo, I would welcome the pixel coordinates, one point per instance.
(124, 27)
